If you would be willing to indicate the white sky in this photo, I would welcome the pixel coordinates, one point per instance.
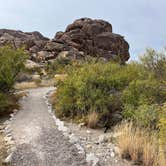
(142, 22)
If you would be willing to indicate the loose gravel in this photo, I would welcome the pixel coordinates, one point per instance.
(38, 140)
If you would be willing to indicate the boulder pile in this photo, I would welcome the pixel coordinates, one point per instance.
(83, 37)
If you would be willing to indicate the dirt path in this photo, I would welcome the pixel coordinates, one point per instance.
(38, 141)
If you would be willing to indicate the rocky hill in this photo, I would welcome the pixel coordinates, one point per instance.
(83, 37)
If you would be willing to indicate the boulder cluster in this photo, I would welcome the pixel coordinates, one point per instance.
(83, 37)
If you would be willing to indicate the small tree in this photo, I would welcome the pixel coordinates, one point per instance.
(11, 63)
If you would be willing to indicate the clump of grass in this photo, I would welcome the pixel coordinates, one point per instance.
(129, 141)
(93, 118)
(138, 145)
(52, 98)
(161, 157)
(3, 150)
(150, 150)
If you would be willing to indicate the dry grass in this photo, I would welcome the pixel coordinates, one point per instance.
(3, 150)
(93, 119)
(20, 94)
(60, 77)
(139, 145)
(52, 98)
(161, 157)
(25, 85)
(34, 84)
(46, 83)
(150, 150)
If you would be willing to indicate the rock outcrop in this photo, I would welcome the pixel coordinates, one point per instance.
(81, 38)
(93, 37)
(32, 41)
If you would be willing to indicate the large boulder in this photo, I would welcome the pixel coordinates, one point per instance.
(94, 38)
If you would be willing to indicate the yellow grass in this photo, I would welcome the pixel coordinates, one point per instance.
(2, 150)
(161, 157)
(52, 98)
(150, 150)
(60, 77)
(93, 119)
(139, 145)
(20, 94)
(25, 85)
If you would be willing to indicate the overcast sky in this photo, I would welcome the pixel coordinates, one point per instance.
(142, 22)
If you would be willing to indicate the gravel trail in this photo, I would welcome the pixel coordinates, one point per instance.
(38, 141)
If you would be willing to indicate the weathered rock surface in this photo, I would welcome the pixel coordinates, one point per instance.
(33, 41)
(83, 37)
(93, 37)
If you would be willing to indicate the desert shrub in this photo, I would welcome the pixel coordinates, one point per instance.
(142, 100)
(93, 86)
(3, 102)
(11, 63)
(136, 90)
(64, 65)
(144, 91)
(155, 62)
(144, 115)
(59, 65)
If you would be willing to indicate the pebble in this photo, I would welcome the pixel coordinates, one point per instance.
(81, 125)
(15, 110)
(73, 139)
(88, 131)
(117, 150)
(92, 159)
(102, 139)
(89, 146)
(11, 115)
(112, 154)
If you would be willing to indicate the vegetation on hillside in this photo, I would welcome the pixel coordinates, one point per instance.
(103, 93)
(135, 90)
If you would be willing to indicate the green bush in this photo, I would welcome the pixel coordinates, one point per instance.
(95, 86)
(136, 90)
(63, 65)
(141, 101)
(144, 91)
(11, 64)
(3, 103)
(155, 63)
(57, 66)
(144, 115)
(145, 94)
(162, 126)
